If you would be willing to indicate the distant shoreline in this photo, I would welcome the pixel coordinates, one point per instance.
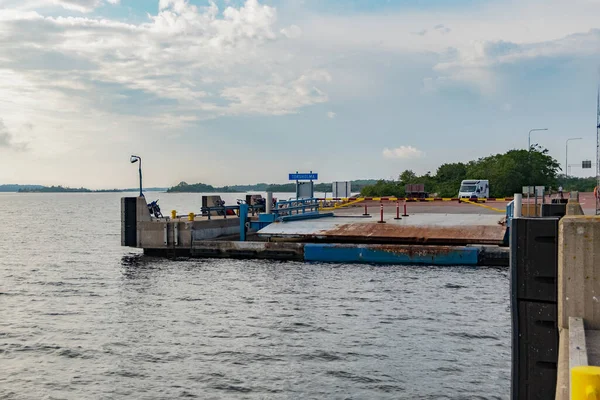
(184, 187)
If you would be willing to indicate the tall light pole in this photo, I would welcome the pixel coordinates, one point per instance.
(567, 155)
(533, 130)
(134, 159)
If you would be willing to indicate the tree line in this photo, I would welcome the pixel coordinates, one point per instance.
(507, 172)
(184, 187)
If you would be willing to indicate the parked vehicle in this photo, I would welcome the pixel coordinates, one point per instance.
(474, 189)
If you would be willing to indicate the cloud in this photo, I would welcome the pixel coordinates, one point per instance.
(82, 6)
(292, 32)
(481, 40)
(402, 152)
(206, 61)
(331, 115)
(442, 29)
(6, 139)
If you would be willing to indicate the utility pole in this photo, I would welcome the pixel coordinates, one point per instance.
(598, 152)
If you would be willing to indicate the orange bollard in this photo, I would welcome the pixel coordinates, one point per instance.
(398, 210)
(405, 213)
(381, 221)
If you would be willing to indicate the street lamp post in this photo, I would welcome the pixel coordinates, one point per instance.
(567, 155)
(135, 159)
(533, 130)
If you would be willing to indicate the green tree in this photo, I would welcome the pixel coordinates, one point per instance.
(408, 176)
(383, 188)
(449, 177)
(507, 172)
(579, 184)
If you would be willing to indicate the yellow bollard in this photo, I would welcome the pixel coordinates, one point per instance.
(585, 383)
(191, 216)
(173, 214)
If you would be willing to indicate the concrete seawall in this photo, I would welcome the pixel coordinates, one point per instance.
(578, 297)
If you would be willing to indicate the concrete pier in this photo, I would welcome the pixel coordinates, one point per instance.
(578, 296)
(422, 239)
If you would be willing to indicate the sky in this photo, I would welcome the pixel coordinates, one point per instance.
(245, 91)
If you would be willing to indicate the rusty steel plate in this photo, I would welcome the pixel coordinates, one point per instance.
(419, 228)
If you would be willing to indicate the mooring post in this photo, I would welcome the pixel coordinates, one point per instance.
(366, 214)
(269, 203)
(243, 219)
(518, 205)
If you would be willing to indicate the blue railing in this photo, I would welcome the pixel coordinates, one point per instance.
(510, 211)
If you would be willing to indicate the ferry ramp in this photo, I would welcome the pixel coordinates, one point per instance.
(450, 229)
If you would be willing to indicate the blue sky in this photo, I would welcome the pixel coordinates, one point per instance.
(247, 91)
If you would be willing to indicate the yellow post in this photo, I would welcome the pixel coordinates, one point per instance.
(173, 214)
(191, 216)
(585, 383)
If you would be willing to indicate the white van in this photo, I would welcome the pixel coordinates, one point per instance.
(472, 188)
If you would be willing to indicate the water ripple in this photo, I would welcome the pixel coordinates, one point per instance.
(83, 317)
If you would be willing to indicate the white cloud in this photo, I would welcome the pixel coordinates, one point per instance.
(402, 152)
(83, 6)
(331, 115)
(292, 32)
(201, 62)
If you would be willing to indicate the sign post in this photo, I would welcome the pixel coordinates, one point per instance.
(304, 190)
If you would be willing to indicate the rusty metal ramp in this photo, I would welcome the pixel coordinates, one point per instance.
(457, 229)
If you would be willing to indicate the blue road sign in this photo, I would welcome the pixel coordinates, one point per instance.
(310, 177)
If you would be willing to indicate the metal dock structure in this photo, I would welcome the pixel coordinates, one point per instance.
(440, 229)
(297, 230)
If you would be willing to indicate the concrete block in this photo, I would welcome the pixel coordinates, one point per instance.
(143, 214)
(579, 270)
(259, 250)
(206, 230)
(574, 208)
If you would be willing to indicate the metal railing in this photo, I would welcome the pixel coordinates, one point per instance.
(294, 207)
(221, 211)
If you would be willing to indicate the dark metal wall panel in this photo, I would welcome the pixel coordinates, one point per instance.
(534, 252)
(533, 274)
(538, 350)
(129, 221)
(554, 210)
